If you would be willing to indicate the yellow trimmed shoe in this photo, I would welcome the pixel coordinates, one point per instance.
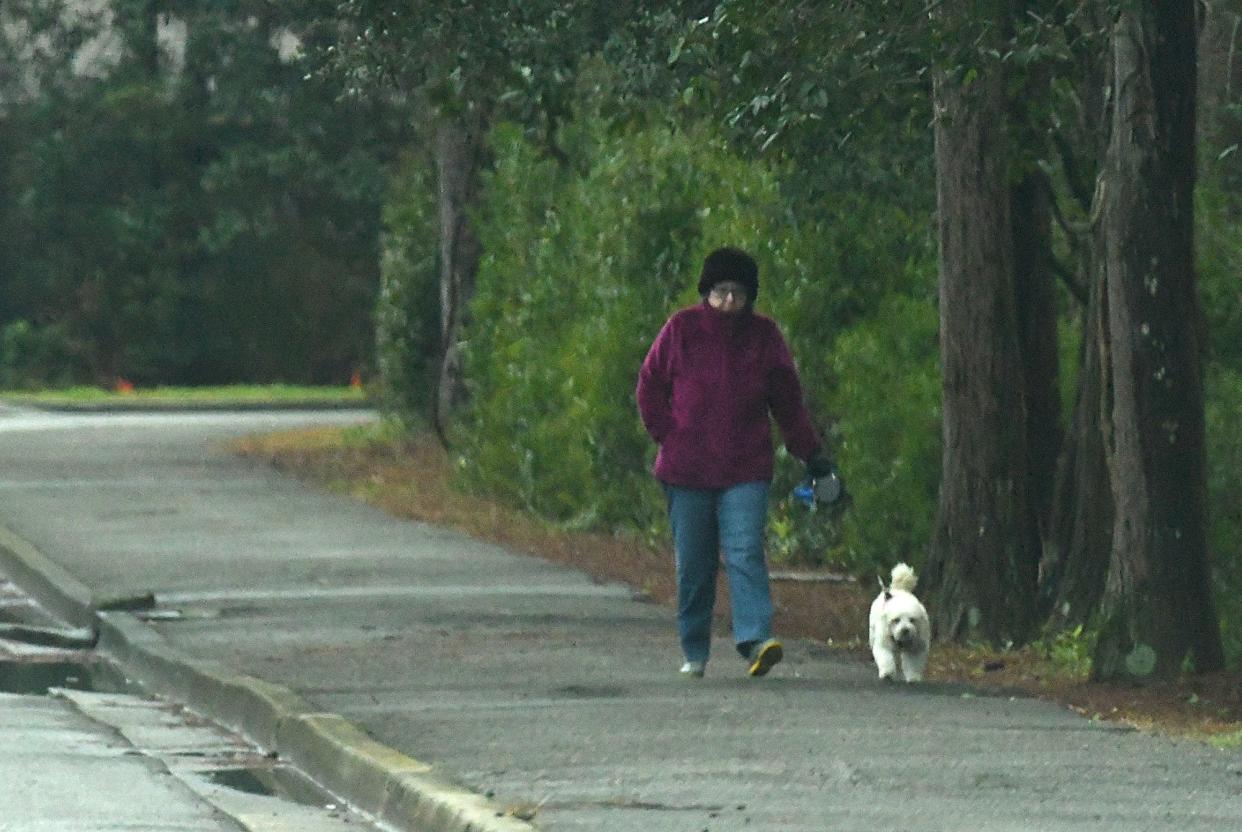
(764, 656)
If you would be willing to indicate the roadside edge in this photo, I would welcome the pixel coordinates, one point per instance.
(388, 784)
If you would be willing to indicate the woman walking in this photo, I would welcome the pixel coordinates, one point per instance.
(715, 376)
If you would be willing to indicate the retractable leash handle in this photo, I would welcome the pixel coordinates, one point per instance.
(827, 491)
(804, 492)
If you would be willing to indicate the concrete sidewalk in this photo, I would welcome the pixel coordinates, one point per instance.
(81, 751)
(437, 680)
(61, 771)
(93, 762)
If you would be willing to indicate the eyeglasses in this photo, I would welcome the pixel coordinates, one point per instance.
(722, 290)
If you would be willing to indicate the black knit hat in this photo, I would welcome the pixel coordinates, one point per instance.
(729, 264)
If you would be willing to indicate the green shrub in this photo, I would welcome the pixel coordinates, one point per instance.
(1218, 234)
(37, 356)
(1224, 460)
(888, 397)
(582, 266)
(584, 262)
(1069, 651)
(407, 311)
(856, 298)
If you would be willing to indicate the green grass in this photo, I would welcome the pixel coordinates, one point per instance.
(279, 394)
(1227, 741)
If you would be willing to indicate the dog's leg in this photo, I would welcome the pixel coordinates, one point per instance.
(885, 661)
(913, 665)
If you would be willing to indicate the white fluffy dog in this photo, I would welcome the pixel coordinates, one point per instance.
(899, 628)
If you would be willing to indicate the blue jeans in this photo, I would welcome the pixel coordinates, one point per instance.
(705, 523)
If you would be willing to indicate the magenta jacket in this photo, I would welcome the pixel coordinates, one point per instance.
(705, 391)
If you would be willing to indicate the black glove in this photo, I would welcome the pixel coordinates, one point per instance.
(830, 485)
(819, 466)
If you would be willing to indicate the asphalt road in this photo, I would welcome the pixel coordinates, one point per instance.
(540, 688)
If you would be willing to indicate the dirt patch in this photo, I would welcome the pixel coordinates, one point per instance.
(411, 479)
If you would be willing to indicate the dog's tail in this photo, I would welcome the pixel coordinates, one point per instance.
(904, 578)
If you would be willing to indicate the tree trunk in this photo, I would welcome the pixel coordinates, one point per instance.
(1220, 65)
(1080, 538)
(1035, 304)
(144, 36)
(1030, 215)
(1157, 609)
(983, 560)
(457, 168)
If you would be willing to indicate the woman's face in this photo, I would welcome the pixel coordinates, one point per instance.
(728, 296)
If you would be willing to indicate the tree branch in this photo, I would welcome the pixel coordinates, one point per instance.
(1077, 289)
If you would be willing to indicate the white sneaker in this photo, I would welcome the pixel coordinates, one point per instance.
(693, 670)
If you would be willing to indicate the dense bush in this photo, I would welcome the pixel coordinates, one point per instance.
(193, 221)
(1218, 231)
(1219, 243)
(580, 272)
(36, 356)
(407, 310)
(583, 264)
(888, 398)
(1224, 456)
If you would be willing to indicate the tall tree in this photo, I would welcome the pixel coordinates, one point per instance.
(984, 556)
(830, 83)
(837, 87)
(1157, 611)
(1220, 64)
(1035, 302)
(1079, 537)
(456, 66)
(186, 207)
(459, 154)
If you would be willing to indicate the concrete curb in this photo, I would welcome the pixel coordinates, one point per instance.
(233, 406)
(56, 590)
(393, 787)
